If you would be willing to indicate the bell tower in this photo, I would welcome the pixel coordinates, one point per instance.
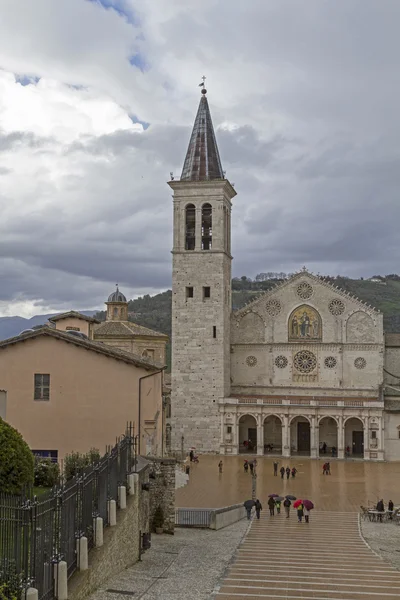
(201, 290)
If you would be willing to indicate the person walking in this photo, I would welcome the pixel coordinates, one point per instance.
(248, 506)
(306, 515)
(381, 508)
(294, 471)
(275, 469)
(300, 513)
(258, 508)
(191, 455)
(287, 472)
(251, 467)
(282, 472)
(324, 472)
(328, 468)
(271, 504)
(390, 509)
(287, 504)
(220, 465)
(278, 506)
(246, 466)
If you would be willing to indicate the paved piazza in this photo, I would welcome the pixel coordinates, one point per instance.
(352, 483)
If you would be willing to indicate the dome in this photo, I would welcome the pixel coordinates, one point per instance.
(117, 296)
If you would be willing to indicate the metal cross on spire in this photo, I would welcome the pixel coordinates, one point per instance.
(203, 85)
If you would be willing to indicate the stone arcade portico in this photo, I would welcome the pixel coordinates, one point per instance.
(345, 416)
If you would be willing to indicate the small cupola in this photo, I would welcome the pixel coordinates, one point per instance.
(117, 306)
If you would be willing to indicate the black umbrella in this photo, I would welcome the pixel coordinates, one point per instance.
(289, 497)
(249, 504)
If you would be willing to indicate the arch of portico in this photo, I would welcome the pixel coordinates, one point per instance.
(272, 435)
(300, 435)
(247, 427)
(354, 436)
(328, 436)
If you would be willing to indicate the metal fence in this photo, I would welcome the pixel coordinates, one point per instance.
(36, 533)
(193, 517)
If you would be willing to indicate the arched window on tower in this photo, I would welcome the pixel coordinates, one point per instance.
(206, 227)
(190, 227)
(115, 311)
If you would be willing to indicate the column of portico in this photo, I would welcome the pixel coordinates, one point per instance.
(222, 436)
(340, 436)
(366, 438)
(314, 450)
(381, 437)
(235, 429)
(285, 436)
(260, 436)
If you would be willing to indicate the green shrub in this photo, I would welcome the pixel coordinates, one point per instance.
(47, 473)
(76, 462)
(16, 460)
(158, 519)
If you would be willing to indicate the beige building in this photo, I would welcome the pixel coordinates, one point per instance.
(65, 393)
(118, 331)
(301, 370)
(74, 321)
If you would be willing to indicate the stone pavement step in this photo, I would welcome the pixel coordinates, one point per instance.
(324, 559)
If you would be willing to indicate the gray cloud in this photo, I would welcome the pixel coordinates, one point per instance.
(304, 101)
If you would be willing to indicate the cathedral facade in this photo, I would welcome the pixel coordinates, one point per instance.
(304, 369)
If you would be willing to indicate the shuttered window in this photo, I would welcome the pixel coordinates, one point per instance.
(42, 387)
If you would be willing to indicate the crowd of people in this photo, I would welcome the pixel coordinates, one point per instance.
(275, 503)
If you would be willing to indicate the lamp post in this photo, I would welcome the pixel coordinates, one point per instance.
(254, 484)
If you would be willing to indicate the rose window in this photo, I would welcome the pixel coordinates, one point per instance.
(330, 362)
(360, 363)
(273, 307)
(304, 290)
(281, 362)
(251, 361)
(305, 361)
(336, 307)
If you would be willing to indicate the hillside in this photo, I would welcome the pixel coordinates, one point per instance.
(155, 311)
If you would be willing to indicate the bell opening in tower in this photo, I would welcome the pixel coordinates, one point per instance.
(190, 234)
(206, 227)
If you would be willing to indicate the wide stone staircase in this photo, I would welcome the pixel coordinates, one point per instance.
(324, 559)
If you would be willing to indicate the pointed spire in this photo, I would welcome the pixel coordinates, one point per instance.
(202, 161)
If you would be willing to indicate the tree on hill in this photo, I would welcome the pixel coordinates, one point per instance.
(16, 460)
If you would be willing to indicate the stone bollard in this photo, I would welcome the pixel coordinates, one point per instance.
(82, 553)
(131, 484)
(98, 531)
(122, 497)
(61, 580)
(32, 594)
(112, 513)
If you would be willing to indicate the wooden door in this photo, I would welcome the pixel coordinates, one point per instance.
(303, 437)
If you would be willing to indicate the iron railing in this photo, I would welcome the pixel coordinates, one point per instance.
(193, 517)
(36, 533)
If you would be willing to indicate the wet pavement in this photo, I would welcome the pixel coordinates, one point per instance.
(351, 484)
(324, 559)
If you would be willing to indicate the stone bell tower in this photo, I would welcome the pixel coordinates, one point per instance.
(201, 290)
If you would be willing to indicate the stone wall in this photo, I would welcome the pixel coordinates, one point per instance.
(162, 490)
(121, 543)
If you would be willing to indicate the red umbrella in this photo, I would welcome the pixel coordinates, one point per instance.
(297, 503)
(308, 504)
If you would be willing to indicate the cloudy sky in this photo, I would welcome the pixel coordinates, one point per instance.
(97, 100)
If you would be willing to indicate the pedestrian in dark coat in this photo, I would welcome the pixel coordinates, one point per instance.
(246, 466)
(287, 472)
(251, 466)
(287, 504)
(258, 508)
(248, 506)
(191, 455)
(271, 504)
(390, 509)
(282, 472)
(275, 469)
(294, 471)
